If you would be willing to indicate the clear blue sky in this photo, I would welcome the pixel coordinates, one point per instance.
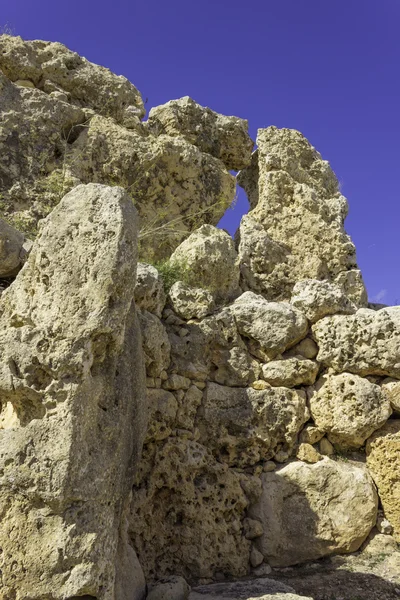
(329, 68)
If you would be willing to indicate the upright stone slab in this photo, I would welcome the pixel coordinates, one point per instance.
(72, 414)
(298, 212)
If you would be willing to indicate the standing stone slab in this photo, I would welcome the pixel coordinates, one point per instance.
(72, 405)
(296, 202)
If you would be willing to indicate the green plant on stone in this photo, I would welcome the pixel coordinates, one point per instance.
(171, 272)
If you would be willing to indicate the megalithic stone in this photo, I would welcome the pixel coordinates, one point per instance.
(72, 399)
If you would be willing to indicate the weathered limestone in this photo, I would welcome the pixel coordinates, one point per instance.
(72, 405)
(149, 289)
(383, 461)
(274, 326)
(262, 589)
(348, 408)
(50, 66)
(308, 454)
(210, 258)
(244, 426)
(13, 250)
(317, 299)
(156, 345)
(224, 137)
(190, 302)
(79, 123)
(213, 349)
(32, 129)
(186, 518)
(295, 198)
(391, 389)
(366, 343)
(290, 372)
(313, 510)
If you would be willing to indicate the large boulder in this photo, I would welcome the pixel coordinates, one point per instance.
(366, 343)
(313, 510)
(51, 67)
(224, 137)
(383, 461)
(210, 259)
(243, 426)
(73, 413)
(294, 196)
(273, 326)
(348, 408)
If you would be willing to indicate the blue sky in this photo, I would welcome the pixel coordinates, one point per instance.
(329, 68)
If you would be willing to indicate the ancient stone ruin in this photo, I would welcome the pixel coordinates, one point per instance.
(183, 415)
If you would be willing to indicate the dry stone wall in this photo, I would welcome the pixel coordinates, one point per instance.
(232, 410)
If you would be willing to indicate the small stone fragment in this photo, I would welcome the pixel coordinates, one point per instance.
(307, 348)
(308, 454)
(256, 558)
(391, 388)
(311, 434)
(252, 528)
(325, 447)
(12, 254)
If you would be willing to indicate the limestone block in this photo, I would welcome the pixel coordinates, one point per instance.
(314, 510)
(224, 137)
(383, 461)
(290, 372)
(73, 411)
(348, 408)
(274, 326)
(187, 512)
(190, 302)
(366, 343)
(295, 199)
(156, 344)
(244, 426)
(317, 299)
(210, 258)
(149, 289)
(88, 84)
(391, 389)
